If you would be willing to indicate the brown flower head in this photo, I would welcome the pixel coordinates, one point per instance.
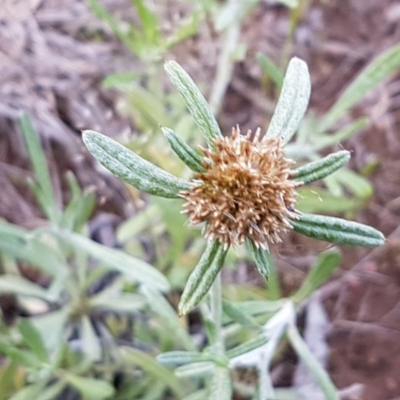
(245, 191)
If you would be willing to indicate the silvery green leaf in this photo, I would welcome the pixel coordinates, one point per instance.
(221, 384)
(89, 388)
(195, 102)
(177, 358)
(38, 250)
(321, 168)
(15, 284)
(203, 276)
(293, 101)
(318, 372)
(188, 155)
(238, 315)
(246, 347)
(199, 369)
(261, 257)
(120, 303)
(131, 168)
(337, 230)
(91, 346)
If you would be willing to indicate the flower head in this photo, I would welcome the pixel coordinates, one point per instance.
(245, 190)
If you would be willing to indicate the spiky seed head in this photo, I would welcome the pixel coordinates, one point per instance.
(245, 192)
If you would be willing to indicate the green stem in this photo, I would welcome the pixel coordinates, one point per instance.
(216, 314)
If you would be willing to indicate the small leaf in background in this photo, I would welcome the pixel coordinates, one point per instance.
(337, 230)
(293, 101)
(203, 276)
(160, 306)
(89, 388)
(317, 200)
(196, 370)
(323, 141)
(39, 164)
(232, 12)
(131, 267)
(178, 358)
(270, 69)
(148, 364)
(131, 168)
(29, 392)
(24, 357)
(120, 303)
(52, 392)
(374, 73)
(195, 101)
(322, 168)
(246, 347)
(149, 23)
(91, 346)
(318, 372)
(51, 327)
(34, 249)
(237, 315)
(355, 183)
(320, 271)
(32, 338)
(20, 286)
(80, 206)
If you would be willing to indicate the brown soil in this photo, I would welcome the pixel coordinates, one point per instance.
(54, 54)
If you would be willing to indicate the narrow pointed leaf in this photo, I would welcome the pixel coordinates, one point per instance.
(270, 69)
(195, 370)
(239, 316)
(337, 230)
(188, 155)
(261, 257)
(321, 168)
(178, 358)
(131, 267)
(315, 368)
(91, 389)
(91, 346)
(203, 276)
(293, 101)
(15, 284)
(377, 70)
(195, 101)
(131, 168)
(248, 346)
(39, 165)
(33, 338)
(343, 134)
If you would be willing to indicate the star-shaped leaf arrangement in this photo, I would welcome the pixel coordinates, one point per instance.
(243, 188)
